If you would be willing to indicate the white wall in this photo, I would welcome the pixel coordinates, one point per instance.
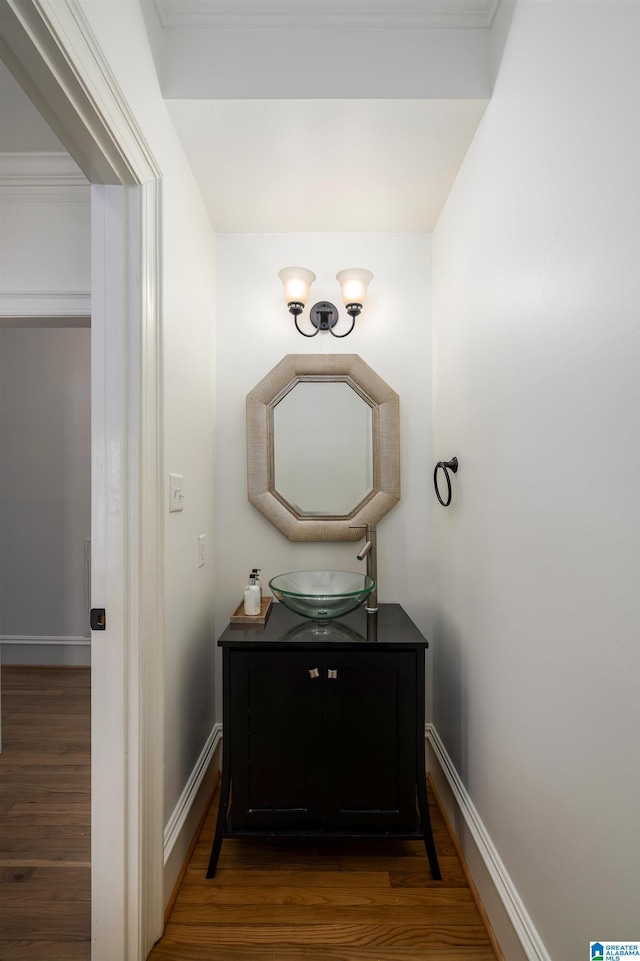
(23, 127)
(188, 300)
(45, 475)
(45, 396)
(537, 390)
(44, 245)
(45, 230)
(254, 331)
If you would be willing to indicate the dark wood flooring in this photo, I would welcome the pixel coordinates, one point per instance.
(45, 811)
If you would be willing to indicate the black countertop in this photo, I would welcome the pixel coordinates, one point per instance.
(395, 629)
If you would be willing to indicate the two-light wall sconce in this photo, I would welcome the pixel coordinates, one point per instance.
(323, 315)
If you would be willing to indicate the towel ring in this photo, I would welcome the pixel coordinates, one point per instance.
(444, 464)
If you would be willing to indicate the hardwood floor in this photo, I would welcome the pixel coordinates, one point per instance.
(45, 811)
(286, 901)
(302, 901)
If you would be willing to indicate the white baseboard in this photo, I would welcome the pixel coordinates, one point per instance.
(514, 929)
(45, 649)
(186, 815)
(71, 639)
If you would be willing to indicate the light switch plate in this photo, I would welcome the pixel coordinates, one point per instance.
(201, 556)
(176, 492)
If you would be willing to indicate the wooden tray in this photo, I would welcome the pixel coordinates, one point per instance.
(240, 619)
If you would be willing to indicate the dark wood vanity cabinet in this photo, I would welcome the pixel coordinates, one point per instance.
(323, 731)
(323, 739)
(276, 740)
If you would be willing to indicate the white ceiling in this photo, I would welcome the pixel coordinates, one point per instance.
(325, 115)
(323, 128)
(325, 165)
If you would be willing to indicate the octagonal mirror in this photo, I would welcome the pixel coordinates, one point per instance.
(323, 449)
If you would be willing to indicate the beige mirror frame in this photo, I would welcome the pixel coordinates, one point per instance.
(385, 405)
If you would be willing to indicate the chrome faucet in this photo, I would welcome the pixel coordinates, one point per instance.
(370, 551)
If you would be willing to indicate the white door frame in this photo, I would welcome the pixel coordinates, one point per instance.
(50, 48)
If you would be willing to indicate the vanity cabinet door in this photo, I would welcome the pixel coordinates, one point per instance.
(276, 749)
(370, 741)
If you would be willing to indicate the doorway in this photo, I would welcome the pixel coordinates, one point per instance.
(78, 97)
(45, 533)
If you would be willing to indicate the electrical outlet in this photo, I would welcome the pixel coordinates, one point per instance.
(201, 558)
(176, 492)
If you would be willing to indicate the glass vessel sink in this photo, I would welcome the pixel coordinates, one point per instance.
(322, 595)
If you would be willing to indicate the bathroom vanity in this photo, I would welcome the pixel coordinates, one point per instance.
(324, 730)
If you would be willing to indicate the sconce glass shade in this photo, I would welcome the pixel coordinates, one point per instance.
(296, 282)
(354, 282)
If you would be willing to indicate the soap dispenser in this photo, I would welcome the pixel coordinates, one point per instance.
(252, 597)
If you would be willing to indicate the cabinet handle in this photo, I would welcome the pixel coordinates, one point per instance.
(314, 672)
(331, 674)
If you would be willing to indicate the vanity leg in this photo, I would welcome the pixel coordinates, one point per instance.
(225, 784)
(421, 779)
(425, 824)
(221, 820)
